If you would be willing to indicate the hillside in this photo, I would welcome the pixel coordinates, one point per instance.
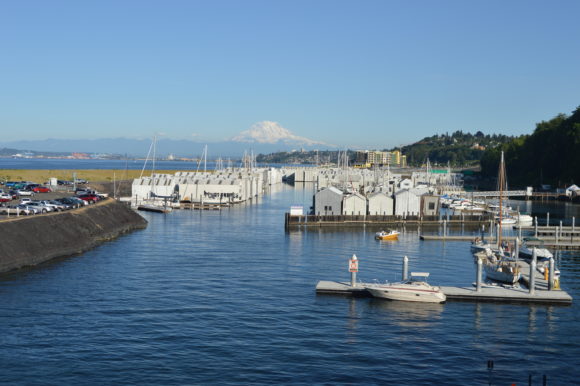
(550, 155)
(459, 148)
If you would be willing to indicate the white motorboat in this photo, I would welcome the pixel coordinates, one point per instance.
(542, 253)
(525, 219)
(416, 289)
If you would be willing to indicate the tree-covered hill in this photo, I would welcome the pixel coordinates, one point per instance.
(551, 155)
(459, 148)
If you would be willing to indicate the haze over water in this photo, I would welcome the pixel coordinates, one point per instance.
(227, 297)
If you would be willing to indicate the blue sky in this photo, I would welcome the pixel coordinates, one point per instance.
(354, 73)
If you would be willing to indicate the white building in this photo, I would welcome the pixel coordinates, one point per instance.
(380, 203)
(354, 204)
(408, 201)
(328, 201)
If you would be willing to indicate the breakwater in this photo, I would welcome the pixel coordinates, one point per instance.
(32, 240)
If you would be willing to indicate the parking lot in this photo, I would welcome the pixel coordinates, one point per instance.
(9, 209)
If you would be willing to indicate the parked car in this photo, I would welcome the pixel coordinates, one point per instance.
(62, 182)
(79, 191)
(5, 197)
(56, 207)
(18, 210)
(43, 208)
(21, 192)
(41, 189)
(25, 200)
(71, 202)
(90, 198)
(32, 209)
(78, 201)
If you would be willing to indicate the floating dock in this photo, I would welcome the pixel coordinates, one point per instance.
(547, 242)
(488, 293)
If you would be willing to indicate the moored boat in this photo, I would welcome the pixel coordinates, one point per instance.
(416, 289)
(527, 252)
(387, 235)
(154, 208)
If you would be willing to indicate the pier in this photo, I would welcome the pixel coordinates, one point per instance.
(379, 220)
(537, 291)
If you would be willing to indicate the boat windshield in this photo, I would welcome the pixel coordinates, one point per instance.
(418, 277)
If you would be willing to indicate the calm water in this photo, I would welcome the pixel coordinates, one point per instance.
(228, 298)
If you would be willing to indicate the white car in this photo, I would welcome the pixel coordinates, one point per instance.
(17, 210)
(43, 208)
(55, 207)
(21, 192)
(31, 209)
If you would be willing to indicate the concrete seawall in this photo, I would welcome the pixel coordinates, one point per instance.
(31, 240)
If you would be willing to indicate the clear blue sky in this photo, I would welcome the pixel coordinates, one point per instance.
(353, 73)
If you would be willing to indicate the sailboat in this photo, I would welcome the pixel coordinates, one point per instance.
(150, 204)
(498, 266)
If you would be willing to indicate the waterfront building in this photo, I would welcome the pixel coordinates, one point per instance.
(408, 201)
(429, 205)
(328, 201)
(380, 203)
(354, 204)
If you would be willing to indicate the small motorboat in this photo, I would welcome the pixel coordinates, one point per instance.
(416, 289)
(542, 253)
(387, 235)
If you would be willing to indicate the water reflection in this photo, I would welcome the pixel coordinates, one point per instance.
(409, 314)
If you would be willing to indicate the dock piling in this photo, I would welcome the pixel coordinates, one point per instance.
(533, 272)
(573, 223)
(547, 219)
(405, 268)
(353, 268)
(478, 275)
(444, 228)
(517, 246)
(536, 226)
(551, 273)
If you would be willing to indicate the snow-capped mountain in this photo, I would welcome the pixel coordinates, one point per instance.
(272, 132)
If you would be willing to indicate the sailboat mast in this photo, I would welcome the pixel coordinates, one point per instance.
(501, 178)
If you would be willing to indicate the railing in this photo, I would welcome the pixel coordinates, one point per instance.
(292, 220)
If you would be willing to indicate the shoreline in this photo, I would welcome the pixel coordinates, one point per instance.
(32, 240)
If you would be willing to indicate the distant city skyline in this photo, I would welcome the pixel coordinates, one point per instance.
(366, 75)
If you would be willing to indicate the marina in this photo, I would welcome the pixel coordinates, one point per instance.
(171, 285)
(479, 292)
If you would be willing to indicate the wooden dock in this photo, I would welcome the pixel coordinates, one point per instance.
(488, 293)
(202, 206)
(547, 242)
(292, 221)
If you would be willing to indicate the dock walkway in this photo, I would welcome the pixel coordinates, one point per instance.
(489, 293)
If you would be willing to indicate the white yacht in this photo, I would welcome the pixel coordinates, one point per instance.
(416, 289)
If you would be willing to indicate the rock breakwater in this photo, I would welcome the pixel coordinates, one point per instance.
(31, 240)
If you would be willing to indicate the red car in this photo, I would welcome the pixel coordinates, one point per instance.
(89, 197)
(41, 189)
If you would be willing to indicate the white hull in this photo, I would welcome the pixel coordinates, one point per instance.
(480, 247)
(502, 272)
(541, 253)
(404, 292)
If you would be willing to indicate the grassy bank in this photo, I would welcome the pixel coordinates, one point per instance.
(93, 175)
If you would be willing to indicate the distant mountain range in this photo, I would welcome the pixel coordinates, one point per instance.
(262, 137)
